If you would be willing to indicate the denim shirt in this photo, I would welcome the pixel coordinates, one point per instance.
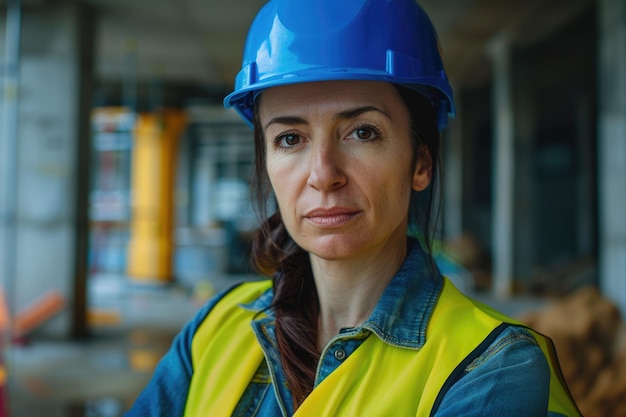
(510, 378)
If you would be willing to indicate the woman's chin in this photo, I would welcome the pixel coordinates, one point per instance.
(335, 248)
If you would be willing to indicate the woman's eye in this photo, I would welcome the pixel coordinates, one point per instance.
(365, 133)
(287, 140)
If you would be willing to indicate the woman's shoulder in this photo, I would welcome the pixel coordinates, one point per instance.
(510, 374)
(514, 345)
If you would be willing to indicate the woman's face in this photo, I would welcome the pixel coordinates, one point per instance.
(339, 159)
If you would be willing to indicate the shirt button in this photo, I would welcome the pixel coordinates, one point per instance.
(340, 354)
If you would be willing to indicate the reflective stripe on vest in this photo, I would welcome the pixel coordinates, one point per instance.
(378, 378)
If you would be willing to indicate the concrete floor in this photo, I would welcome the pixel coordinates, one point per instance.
(93, 378)
(101, 376)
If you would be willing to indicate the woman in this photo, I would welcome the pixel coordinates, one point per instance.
(346, 100)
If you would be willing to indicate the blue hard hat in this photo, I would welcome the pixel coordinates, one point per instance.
(293, 42)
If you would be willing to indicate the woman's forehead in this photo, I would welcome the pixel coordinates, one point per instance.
(328, 95)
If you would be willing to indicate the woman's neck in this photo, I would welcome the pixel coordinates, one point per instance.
(349, 289)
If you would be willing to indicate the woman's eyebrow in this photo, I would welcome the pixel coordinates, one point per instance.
(352, 113)
(285, 120)
(346, 114)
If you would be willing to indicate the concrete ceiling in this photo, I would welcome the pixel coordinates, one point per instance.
(201, 41)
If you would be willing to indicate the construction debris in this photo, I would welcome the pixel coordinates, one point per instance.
(590, 338)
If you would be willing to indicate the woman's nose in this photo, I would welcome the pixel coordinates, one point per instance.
(326, 170)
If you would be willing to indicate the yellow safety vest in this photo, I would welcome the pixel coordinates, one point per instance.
(403, 382)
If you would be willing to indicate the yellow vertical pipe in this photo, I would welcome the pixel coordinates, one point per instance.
(153, 171)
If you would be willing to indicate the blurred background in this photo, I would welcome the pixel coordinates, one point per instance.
(124, 184)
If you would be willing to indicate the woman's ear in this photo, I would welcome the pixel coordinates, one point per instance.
(423, 170)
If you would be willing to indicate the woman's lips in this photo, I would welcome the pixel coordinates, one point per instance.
(331, 217)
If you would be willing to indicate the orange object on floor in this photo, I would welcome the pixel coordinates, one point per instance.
(5, 317)
(37, 313)
(24, 322)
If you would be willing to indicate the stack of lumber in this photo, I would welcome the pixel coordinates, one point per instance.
(590, 338)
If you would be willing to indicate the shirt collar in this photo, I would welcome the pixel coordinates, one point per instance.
(404, 310)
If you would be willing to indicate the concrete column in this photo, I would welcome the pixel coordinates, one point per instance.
(503, 173)
(525, 190)
(612, 149)
(8, 151)
(585, 203)
(50, 105)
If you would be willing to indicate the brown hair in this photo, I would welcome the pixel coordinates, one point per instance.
(275, 254)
